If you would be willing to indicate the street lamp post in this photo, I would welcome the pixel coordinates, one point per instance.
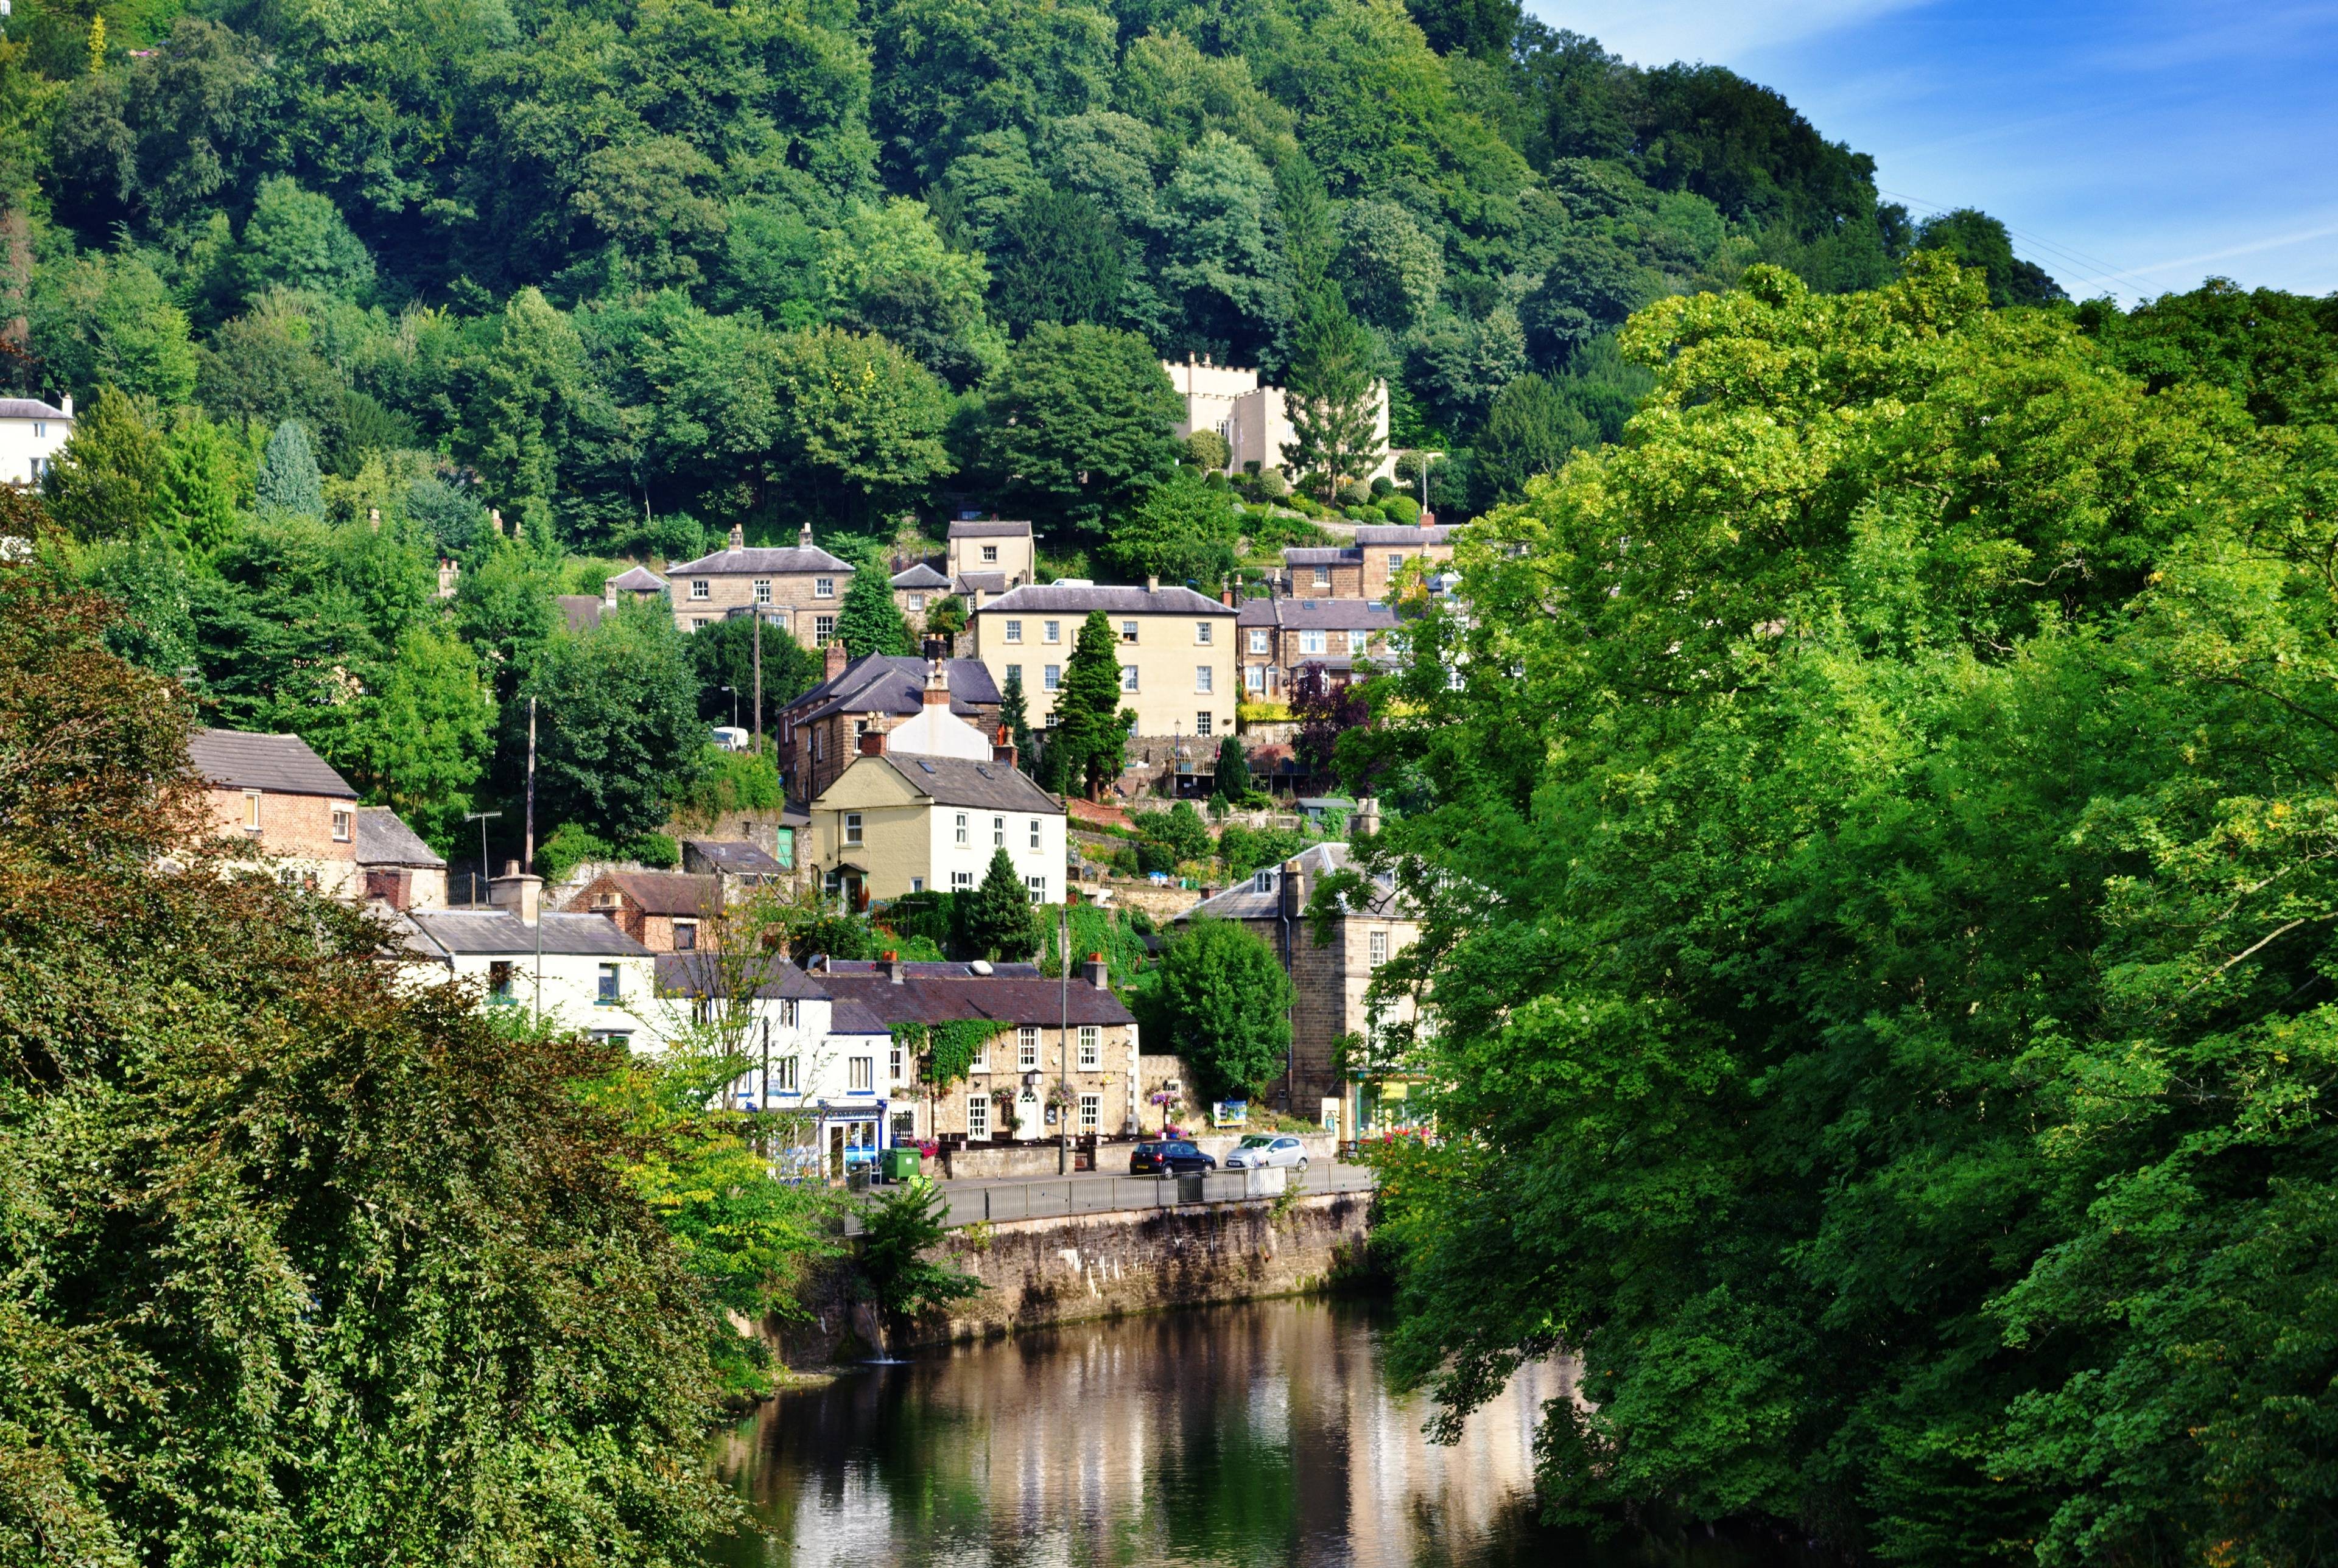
(734, 704)
(481, 818)
(1064, 1042)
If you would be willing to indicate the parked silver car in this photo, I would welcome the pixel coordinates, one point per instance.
(1261, 1150)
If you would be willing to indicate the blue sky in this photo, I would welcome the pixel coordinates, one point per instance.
(2132, 148)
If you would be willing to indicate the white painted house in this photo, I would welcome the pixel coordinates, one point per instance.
(579, 970)
(31, 432)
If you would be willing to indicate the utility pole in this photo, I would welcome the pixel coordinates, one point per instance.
(1063, 1041)
(487, 870)
(758, 613)
(527, 857)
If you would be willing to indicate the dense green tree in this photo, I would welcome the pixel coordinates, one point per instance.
(1220, 277)
(1076, 427)
(1219, 999)
(1979, 241)
(617, 725)
(1180, 830)
(1015, 718)
(1184, 531)
(1388, 270)
(109, 321)
(1057, 258)
(1001, 924)
(418, 742)
(1532, 429)
(1332, 392)
(723, 655)
(529, 401)
(295, 239)
(869, 621)
(1232, 779)
(108, 479)
(504, 610)
(1919, 1006)
(1087, 735)
(263, 365)
(2276, 352)
(1589, 289)
(862, 425)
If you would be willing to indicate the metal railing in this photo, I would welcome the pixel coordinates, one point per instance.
(1068, 1195)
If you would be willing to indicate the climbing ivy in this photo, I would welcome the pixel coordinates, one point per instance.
(947, 1048)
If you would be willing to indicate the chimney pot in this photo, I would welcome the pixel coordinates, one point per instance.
(738, 536)
(65, 404)
(1002, 753)
(1094, 972)
(803, 536)
(835, 658)
(1153, 584)
(520, 892)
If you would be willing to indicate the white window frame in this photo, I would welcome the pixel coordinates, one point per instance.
(990, 553)
(1396, 562)
(1091, 1048)
(1310, 643)
(978, 1118)
(1051, 631)
(1376, 949)
(1034, 832)
(783, 1069)
(1206, 680)
(1051, 677)
(1027, 1048)
(823, 587)
(852, 828)
(860, 1074)
(917, 603)
(961, 881)
(1322, 576)
(252, 812)
(1015, 632)
(343, 825)
(1091, 1113)
(1128, 677)
(823, 630)
(998, 832)
(1015, 671)
(1258, 639)
(1201, 724)
(962, 838)
(763, 589)
(699, 588)
(981, 1062)
(1202, 630)
(1037, 886)
(1128, 630)
(894, 1063)
(1255, 677)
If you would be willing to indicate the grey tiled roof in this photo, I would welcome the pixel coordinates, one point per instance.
(919, 575)
(583, 610)
(1057, 599)
(1022, 997)
(1320, 556)
(982, 581)
(990, 528)
(848, 1015)
(29, 409)
(962, 781)
(637, 579)
(1319, 614)
(665, 892)
(384, 840)
(700, 974)
(281, 763)
(771, 562)
(889, 683)
(1397, 534)
(1245, 901)
(501, 932)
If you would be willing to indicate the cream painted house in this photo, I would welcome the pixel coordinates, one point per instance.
(1178, 669)
(900, 822)
(577, 970)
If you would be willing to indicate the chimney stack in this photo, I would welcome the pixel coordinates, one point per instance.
(1294, 888)
(1003, 753)
(521, 892)
(893, 966)
(496, 521)
(803, 537)
(938, 693)
(1226, 597)
(873, 743)
(1153, 584)
(65, 404)
(738, 536)
(1094, 972)
(609, 592)
(834, 658)
(373, 519)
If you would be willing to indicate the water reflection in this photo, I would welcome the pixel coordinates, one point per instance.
(1246, 1435)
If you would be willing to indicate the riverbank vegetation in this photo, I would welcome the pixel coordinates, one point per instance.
(1874, 828)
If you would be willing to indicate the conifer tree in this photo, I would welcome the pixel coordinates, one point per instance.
(1089, 743)
(1014, 712)
(1001, 925)
(1332, 395)
(289, 482)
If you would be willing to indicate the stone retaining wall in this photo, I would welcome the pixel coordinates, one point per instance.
(1039, 1272)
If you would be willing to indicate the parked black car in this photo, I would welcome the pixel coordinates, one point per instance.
(1167, 1158)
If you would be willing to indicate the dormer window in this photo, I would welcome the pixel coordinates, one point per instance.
(1262, 882)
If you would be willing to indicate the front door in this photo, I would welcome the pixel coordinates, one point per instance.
(1026, 1115)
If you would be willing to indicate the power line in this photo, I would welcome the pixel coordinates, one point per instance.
(2092, 269)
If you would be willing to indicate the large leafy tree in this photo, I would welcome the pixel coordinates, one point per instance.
(1860, 1019)
(1219, 998)
(617, 728)
(1076, 427)
(286, 1233)
(1184, 531)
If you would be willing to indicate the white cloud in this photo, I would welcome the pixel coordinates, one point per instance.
(1717, 32)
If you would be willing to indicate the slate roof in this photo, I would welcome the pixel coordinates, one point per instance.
(280, 763)
(665, 892)
(637, 579)
(583, 610)
(385, 839)
(1319, 614)
(1059, 599)
(33, 409)
(1245, 901)
(982, 581)
(735, 856)
(1320, 556)
(696, 973)
(847, 1015)
(990, 528)
(891, 683)
(1402, 533)
(502, 933)
(919, 575)
(939, 992)
(985, 786)
(763, 562)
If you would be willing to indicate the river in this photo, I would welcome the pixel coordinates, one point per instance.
(1252, 1436)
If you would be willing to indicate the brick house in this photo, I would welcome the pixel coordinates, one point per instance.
(665, 911)
(395, 865)
(1323, 572)
(797, 590)
(284, 803)
(1365, 569)
(819, 732)
(1277, 636)
(914, 591)
(1331, 977)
